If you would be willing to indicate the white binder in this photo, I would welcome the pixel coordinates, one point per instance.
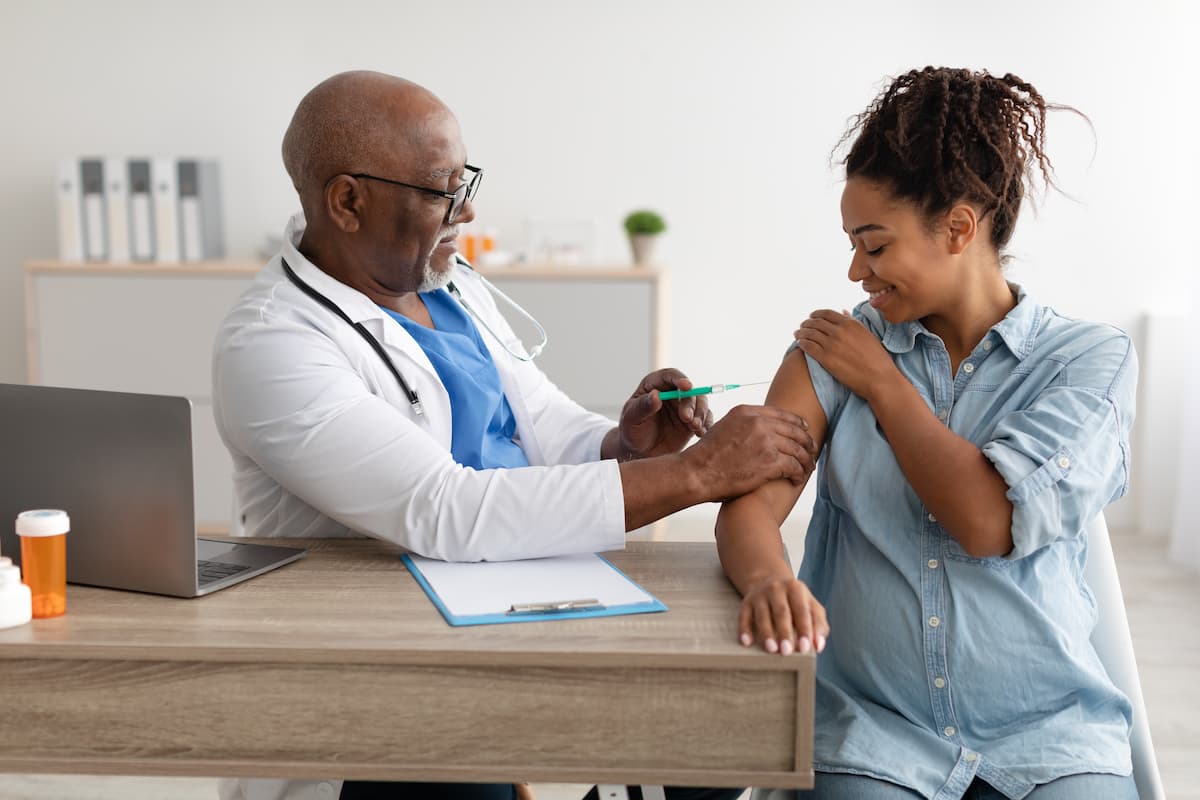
(70, 220)
(141, 210)
(116, 197)
(95, 219)
(200, 226)
(164, 185)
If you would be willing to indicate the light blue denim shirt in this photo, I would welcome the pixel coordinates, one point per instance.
(941, 667)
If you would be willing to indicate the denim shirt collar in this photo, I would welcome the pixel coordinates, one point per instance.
(1018, 330)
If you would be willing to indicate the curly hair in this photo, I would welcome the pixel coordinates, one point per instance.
(940, 136)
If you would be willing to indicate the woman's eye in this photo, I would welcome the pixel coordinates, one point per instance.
(876, 251)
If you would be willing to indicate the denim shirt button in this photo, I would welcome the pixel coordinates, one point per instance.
(1064, 462)
(987, 345)
(934, 622)
(972, 756)
(949, 730)
(933, 562)
(932, 518)
(939, 683)
(968, 367)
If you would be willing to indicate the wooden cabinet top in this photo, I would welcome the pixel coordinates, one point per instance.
(250, 267)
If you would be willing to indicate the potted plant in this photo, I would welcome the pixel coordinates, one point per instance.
(643, 227)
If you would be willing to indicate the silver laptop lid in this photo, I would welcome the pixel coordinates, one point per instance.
(120, 465)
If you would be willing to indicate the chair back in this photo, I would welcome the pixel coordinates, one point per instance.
(1114, 646)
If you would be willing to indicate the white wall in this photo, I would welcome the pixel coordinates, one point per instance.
(720, 114)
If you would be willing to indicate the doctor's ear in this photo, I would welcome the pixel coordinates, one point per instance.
(343, 203)
(962, 223)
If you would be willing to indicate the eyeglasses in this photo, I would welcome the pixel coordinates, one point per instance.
(458, 198)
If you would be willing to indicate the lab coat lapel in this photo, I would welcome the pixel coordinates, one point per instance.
(475, 294)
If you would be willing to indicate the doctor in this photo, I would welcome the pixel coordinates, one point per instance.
(367, 384)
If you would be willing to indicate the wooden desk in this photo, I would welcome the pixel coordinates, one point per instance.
(338, 666)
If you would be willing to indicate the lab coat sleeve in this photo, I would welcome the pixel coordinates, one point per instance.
(291, 400)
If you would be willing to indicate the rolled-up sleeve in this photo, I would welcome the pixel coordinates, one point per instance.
(1065, 456)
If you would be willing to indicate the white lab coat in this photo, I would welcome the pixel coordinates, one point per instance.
(326, 444)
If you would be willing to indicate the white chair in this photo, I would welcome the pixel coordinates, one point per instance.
(1114, 646)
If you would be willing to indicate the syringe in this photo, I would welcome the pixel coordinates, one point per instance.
(716, 388)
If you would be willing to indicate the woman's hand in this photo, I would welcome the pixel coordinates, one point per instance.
(782, 616)
(850, 352)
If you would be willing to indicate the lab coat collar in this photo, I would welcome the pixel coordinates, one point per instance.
(356, 305)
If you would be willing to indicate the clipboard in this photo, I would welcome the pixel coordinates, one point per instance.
(534, 590)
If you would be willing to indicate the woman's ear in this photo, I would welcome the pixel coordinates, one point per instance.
(343, 203)
(962, 223)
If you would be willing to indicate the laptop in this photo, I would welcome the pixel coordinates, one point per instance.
(120, 465)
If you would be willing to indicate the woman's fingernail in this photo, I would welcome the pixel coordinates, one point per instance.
(805, 646)
(770, 646)
(746, 639)
(820, 643)
(786, 647)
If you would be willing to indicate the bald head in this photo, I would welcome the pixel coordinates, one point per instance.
(360, 122)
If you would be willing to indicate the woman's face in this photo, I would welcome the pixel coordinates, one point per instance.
(906, 269)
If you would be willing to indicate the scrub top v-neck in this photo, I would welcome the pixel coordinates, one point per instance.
(482, 422)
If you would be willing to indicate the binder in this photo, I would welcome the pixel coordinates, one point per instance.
(164, 185)
(499, 592)
(70, 217)
(95, 219)
(116, 201)
(200, 227)
(141, 211)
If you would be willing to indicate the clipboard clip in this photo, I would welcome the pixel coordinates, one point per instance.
(555, 607)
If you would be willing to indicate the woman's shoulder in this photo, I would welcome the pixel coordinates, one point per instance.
(1096, 353)
(1073, 337)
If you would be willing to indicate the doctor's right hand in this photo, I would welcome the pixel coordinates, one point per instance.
(750, 446)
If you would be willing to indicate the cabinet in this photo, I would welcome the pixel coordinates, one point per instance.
(149, 328)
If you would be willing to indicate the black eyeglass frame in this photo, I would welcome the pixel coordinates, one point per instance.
(458, 198)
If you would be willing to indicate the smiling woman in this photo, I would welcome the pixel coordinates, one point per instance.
(968, 435)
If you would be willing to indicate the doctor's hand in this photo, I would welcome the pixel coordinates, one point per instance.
(750, 446)
(650, 426)
(782, 616)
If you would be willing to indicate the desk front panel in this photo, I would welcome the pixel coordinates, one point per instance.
(290, 675)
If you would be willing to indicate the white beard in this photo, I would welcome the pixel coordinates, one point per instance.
(432, 280)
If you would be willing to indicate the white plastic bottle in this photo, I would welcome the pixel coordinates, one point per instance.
(16, 602)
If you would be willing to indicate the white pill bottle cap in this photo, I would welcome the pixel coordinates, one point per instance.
(16, 603)
(43, 522)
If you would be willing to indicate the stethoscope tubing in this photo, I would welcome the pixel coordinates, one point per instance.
(413, 398)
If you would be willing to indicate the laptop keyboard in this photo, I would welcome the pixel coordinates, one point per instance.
(210, 571)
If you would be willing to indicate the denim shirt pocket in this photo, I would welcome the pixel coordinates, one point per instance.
(955, 552)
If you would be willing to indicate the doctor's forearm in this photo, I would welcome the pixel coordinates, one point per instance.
(657, 487)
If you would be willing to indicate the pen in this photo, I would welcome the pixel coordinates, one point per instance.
(716, 388)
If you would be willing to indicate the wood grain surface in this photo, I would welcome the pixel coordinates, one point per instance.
(339, 666)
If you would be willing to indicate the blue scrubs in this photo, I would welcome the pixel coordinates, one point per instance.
(482, 422)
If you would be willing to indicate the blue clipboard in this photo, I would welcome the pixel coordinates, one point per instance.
(500, 592)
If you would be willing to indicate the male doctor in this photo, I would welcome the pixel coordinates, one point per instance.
(367, 384)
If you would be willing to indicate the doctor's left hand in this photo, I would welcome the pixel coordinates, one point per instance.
(651, 427)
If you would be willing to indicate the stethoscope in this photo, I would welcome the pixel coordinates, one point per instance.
(413, 398)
